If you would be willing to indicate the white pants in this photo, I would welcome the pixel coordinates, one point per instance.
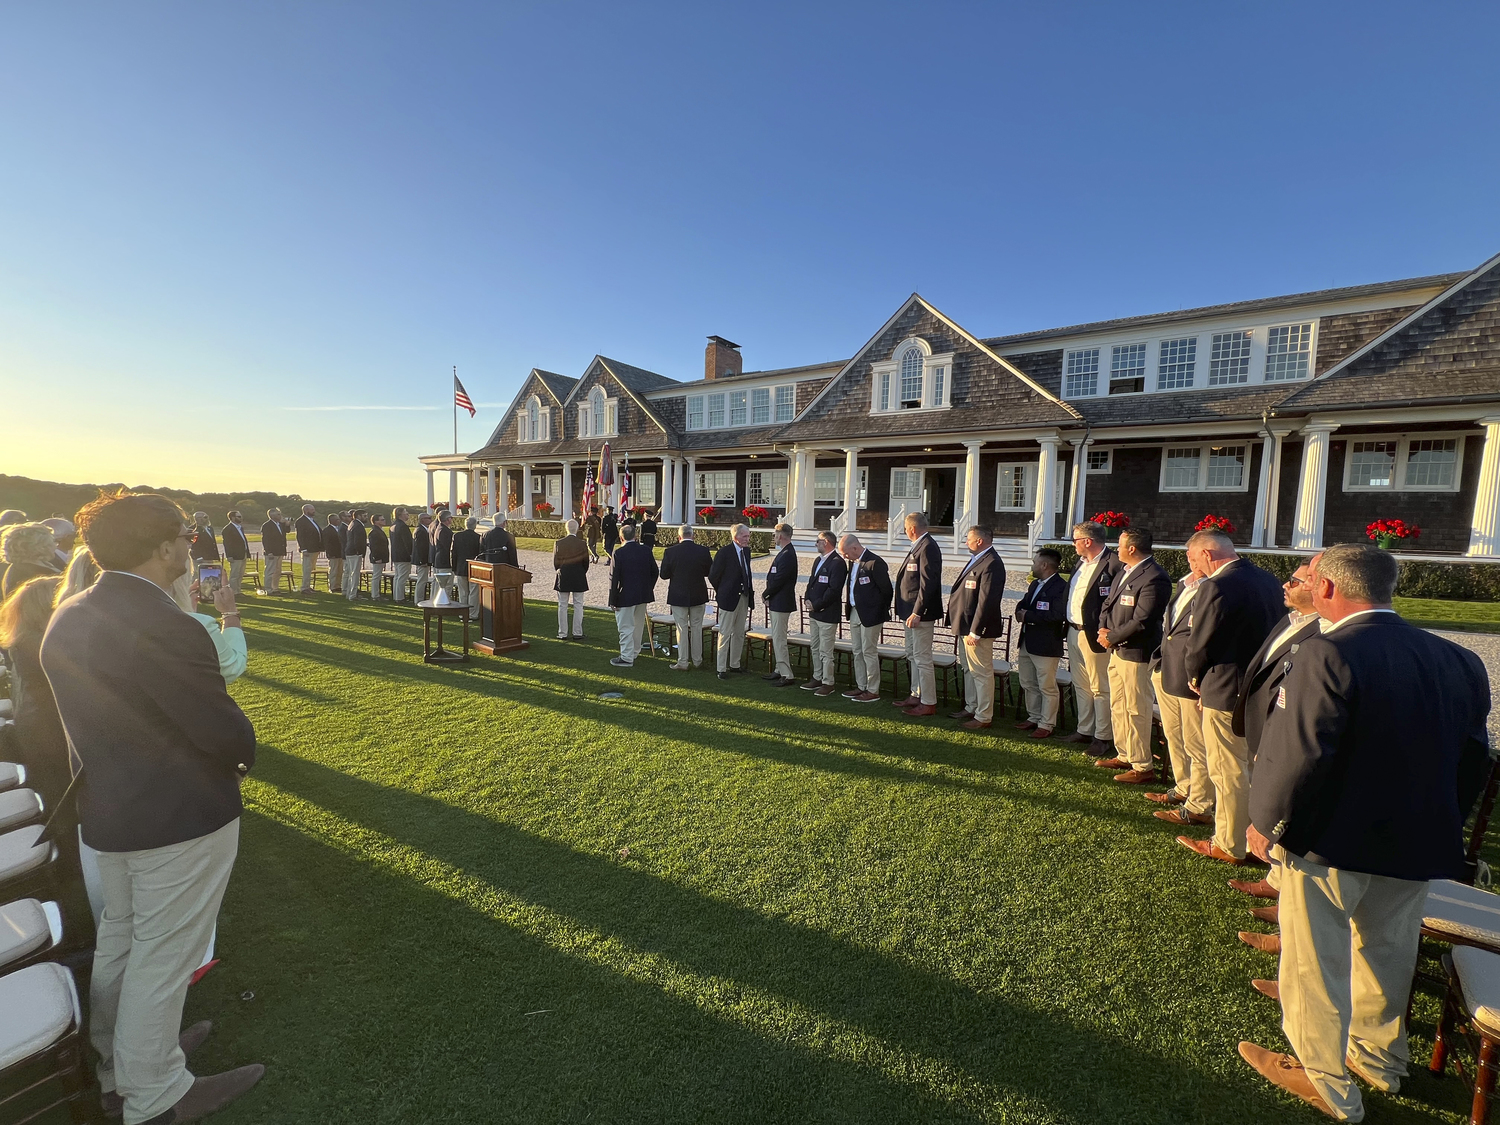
(353, 566)
(1130, 700)
(468, 594)
(273, 573)
(978, 662)
(236, 574)
(824, 633)
(1228, 758)
(688, 620)
(399, 576)
(336, 575)
(919, 662)
(732, 626)
(309, 568)
(1183, 728)
(377, 576)
(779, 646)
(864, 655)
(1090, 671)
(631, 621)
(426, 587)
(1348, 951)
(1039, 683)
(563, 597)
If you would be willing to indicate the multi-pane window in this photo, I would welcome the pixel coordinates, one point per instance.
(786, 402)
(533, 420)
(736, 408)
(1288, 352)
(1372, 464)
(643, 489)
(760, 406)
(1417, 464)
(611, 419)
(1229, 359)
(599, 412)
(716, 412)
(695, 412)
(1015, 487)
(766, 487)
(1226, 467)
(1176, 360)
(883, 391)
(939, 385)
(1127, 369)
(715, 488)
(1082, 373)
(828, 486)
(1204, 468)
(906, 484)
(911, 377)
(1100, 460)
(1431, 462)
(1182, 470)
(585, 422)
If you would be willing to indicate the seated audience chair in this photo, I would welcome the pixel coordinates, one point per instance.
(41, 1045)
(30, 931)
(18, 807)
(1471, 1009)
(12, 774)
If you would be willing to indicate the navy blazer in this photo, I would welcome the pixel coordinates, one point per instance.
(919, 581)
(236, 546)
(1233, 612)
(442, 547)
(273, 539)
(1107, 570)
(632, 576)
(380, 547)
(730, 575)
(204, 546)
(1134, 609)
(162, 746)
(333, 541)
(309, 534)
(1043, 614)
(685, 566)
(499, 546)
(872, 590)
(1174, 640)
(781, 582)
(1263, 680)
(976, 604)
(1368, 755)
(356, 539)
(825, 588)
(466, 546)
(421, 546)
(401, 542)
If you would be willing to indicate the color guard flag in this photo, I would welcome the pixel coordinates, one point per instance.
(461, 397)
(625, 488)
(588, 488)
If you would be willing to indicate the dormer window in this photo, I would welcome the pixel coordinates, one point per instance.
(536, 421)
(912, 379)
(597, 416)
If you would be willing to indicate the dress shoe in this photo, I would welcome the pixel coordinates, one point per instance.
(1136, 777)
(1112, 764)
(1076, 737)
(723, 675)
(1041, 732)
(621, 662)
(210, 1094)
(1284, 1071)
(1182, 816)
(739, 671)
(909, 701)
(1266, 943)
(964, 714)
(975, 724)
(811, 685)
(1101, 748)
(1208, 849)
(1258, 889)
(824, 689)
(677, 667)
(562, 636)
(189, 1041)
(1369, 1079)
(1269, 988)
(853, 693)
(1027, 725)
(1271, 915)
(867, 697)
(772, 678)
(1170, 797)
(922, 710)
(783, 681)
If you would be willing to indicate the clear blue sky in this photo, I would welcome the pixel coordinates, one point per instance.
(213, 214)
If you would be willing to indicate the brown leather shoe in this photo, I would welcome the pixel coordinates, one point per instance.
(1266, 943)
(1026, 725)
(975, 724)
(866, 697)
(1182, 816)
(825, 689)
(1267, 988)
(1167, 798)
(1260, 888)
(964, 714)
(1112, 764)
(210, 1094)
(1076, 737)
(1209, 850)
(1284, 1071)
(853, 693)
(1041, 732)
(189, 1041)
(1268, 914)
(1136, 777)
(921, 710)
(909, 701)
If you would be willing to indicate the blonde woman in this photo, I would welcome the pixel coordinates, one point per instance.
(29, 551)
(40, 743)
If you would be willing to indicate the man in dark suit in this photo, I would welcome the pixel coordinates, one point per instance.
(1181, 724)
(648, 531)
(1042, 614)
(919, 606)
(161, 749)
(686, 565)
(356, 543)
(976, 614)
(632, 588)
(781, 601)
(610, 525)
(402, 548)
(467, 545)
(1088, 661)
(309, 545)
(380, 554)
(273, 550)
(1130, 628)
(825, 609)
(236, 550)
(735, 595)
(333, 550)
(205, 548)
(1374, 753)
(442, 551)
(867, 606)
(421, 558)
(499, 545)
(1236, 607)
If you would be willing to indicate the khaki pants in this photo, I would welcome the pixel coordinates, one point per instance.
(563, 597)
(824, 633)
(1183, 728)
(1348, 951)
(160, 906)
(1229, 771)
(1039, 683)
(309, 568)
(377, 577)
(919, 662)
(1130, 708)
(978, 662)
(336, 576)
(273, 574)
(631, 621)
(688, 620)
(779, 646)
(426, 587)
(1090, 671)
(400, 573)
(865, 655)
(732, 626)
(354, 565)
(236, 574)
(468, 594)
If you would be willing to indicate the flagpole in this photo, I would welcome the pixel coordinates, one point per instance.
(455, 409)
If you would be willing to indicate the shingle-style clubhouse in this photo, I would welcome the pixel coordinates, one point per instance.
(1300, 419)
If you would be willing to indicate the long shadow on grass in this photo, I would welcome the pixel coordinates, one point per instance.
(1079, 1072)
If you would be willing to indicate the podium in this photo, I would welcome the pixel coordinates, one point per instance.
(502, 609)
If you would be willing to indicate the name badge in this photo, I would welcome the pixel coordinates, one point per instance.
(864, 579)
(1127, 599)
(1281, 697)
(1042, 605)
(1104, 591)
(822, 578)
(971, 584)
(773, 570)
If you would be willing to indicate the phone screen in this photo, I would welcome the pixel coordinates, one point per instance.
(210, 578)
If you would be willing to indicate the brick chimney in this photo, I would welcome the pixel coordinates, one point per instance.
(721, 358)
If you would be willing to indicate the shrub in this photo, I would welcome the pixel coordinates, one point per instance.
(1212, 522)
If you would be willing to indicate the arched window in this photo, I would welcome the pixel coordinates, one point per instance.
(596, 401)
(911, 375)
(533, 418)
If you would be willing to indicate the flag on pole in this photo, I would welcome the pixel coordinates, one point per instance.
(606, 467)
(625, 487)
(588, 487)
(461, 397)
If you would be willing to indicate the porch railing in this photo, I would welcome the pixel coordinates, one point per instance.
(897, 520)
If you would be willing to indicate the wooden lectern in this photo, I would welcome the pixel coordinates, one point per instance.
(502, 589)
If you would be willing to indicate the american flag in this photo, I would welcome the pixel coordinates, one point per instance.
(588, 488)
(625, 488)
(461, 397)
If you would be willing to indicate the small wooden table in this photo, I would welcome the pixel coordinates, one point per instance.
(431, 611)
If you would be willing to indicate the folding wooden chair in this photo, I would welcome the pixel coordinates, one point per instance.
(41, 1044)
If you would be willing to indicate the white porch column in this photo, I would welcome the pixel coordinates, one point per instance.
(673, 489)
(690, 487)
(795, 466)
(527, 512)
(1263, 489)
(492, 508)
(971, 489)
(1079, 483)
(1273, 505)
(1484, 533)
(431, 490)
(851, 489)
(1046, 488)
(1307, 532)
(453, 490)
(473, 496)
(565, 509)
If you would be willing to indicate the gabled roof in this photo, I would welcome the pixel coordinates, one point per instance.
(638, 379)
(805, 371)
(561, 386)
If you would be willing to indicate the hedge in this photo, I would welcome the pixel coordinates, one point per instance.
(1418, 578)
(536, 529)
(711, 537)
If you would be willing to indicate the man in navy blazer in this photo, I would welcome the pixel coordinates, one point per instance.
(1088, 661)
(632, 588)
(1130, 628)
(976, 614)
(273, 550)
(421, 557)
(236, 549)
(1236, 607)
(309, 544)
(402, 547)
(1373, 754)
(161, 749)
(356, 543)
(919, 607)
(1268, 667)
(781, 601)
(825, 609)
(685, 566)
(380, 554)
(867, 606)
(735, 592)
(333, 550)
(1042, 615)
(1192, 797)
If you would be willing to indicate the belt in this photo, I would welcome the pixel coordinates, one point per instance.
(1072, 626)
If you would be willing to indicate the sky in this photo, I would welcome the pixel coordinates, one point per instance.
(244, 246)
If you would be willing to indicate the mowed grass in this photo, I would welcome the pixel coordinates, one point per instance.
(483, 894)
(1436, 613)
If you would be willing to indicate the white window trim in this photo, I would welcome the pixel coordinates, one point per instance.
(1203, 454)
(863, 486)
(1398, 477)
(930, 365)
(543, 421)
(1030, 505)
(764, 473)
(1259, 334)
(749, 392)
(733, 500)
(1109, 462)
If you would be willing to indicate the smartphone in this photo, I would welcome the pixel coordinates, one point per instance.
(210, 578)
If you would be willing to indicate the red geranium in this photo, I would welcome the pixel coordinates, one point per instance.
(707, 514)
(543, 510)
(1387, 532)
(1118, 520)
(1212, 522)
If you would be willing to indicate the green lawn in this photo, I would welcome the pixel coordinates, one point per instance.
(484, 894)
(1433, 613)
